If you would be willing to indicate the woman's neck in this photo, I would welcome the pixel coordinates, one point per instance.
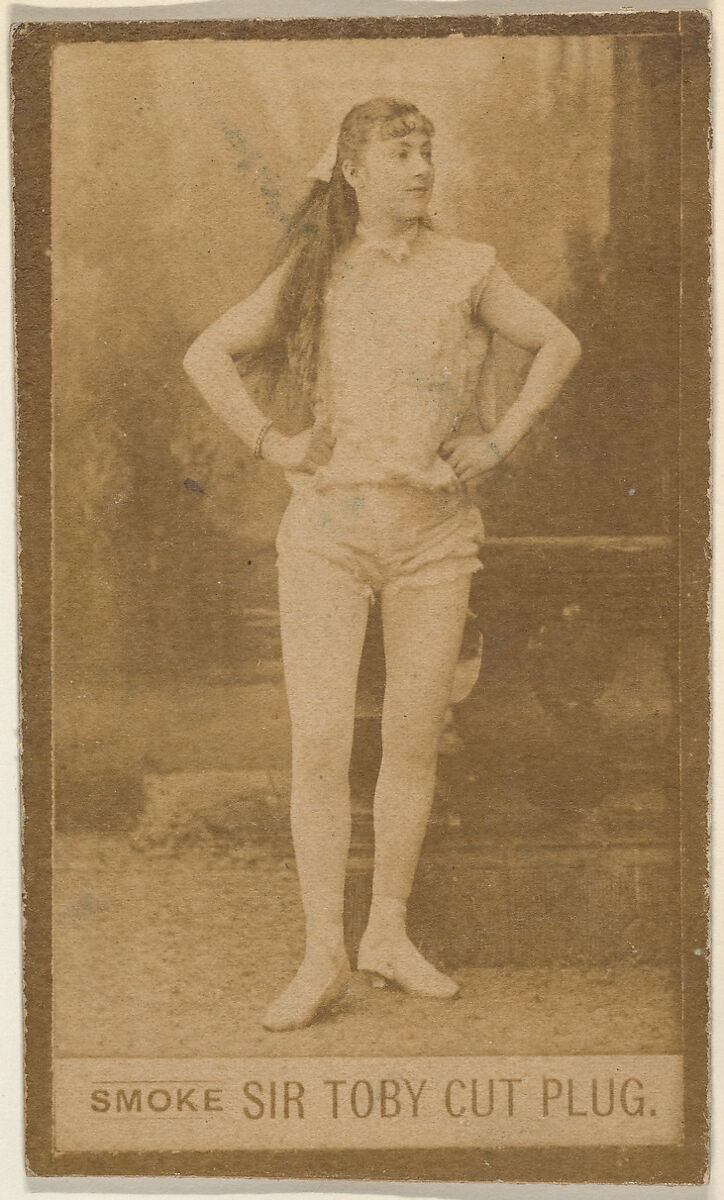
(384, 226)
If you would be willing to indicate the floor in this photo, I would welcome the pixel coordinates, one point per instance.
(180, 954)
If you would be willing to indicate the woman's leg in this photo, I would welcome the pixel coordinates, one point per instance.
(423, 628)
(323, 613)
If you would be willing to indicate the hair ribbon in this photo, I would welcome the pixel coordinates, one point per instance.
(323, 169)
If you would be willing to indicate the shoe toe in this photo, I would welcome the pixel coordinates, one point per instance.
(280, 1022)
(293, 1011)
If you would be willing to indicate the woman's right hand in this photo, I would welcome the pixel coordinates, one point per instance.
(305, 451)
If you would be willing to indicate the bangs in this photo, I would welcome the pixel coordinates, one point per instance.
(409, 122)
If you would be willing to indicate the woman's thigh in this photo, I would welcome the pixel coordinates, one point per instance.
(323, 617)
(422, 628)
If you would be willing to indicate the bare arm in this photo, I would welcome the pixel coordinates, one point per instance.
(511, 312)
(508, 310)
(208, 362)
(249, 326)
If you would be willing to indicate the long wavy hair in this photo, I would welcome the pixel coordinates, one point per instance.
(323, 224)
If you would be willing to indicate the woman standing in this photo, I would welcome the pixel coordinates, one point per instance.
(386, 324)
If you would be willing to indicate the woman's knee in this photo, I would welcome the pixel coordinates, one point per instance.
(322, 754)
(408, 751)
(413, 735)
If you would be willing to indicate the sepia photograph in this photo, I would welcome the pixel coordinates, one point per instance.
(363, 411)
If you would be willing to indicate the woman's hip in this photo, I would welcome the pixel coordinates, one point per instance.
(384, 522)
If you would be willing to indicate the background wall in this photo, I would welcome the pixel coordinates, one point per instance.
(175, 166)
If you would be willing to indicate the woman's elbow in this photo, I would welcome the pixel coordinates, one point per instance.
(564, 346)
(571, 347)
(194, 358)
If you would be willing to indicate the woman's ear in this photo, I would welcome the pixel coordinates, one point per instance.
(350, 172)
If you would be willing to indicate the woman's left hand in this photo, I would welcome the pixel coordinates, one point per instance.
(471, 455)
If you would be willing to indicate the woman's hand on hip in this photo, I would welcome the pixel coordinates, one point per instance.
(304, 451)
(471, 456)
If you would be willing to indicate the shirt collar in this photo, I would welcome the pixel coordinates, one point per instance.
(398, 246)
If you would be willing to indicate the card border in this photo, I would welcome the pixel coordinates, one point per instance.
(32, 45)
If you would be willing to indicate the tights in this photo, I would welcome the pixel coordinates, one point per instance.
(323, 624)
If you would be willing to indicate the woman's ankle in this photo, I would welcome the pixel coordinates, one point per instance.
(387, 918)
(325, 944)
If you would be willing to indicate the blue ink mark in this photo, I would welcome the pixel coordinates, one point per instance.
(252, 160)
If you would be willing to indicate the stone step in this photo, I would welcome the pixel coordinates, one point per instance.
(541, 899)
(246, 805)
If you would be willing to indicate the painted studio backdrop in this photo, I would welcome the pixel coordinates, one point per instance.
(175, 167)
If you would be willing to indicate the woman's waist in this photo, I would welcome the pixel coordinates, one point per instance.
(372, 505)
(427, 490)
(399, 419)
(351, 471)
(388, 447)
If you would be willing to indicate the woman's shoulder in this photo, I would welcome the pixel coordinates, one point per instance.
(468, 260)
(443, 238)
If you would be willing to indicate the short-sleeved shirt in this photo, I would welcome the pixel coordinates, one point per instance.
(401, 357)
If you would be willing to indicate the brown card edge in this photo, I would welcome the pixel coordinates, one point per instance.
(31, 48)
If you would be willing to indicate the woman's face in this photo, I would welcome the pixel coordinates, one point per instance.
(395, 175)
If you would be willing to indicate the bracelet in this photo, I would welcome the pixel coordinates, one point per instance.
(260, 437)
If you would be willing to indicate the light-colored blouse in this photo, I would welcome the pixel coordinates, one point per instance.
(401, 357)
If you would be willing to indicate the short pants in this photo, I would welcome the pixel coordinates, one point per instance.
(382, 535)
